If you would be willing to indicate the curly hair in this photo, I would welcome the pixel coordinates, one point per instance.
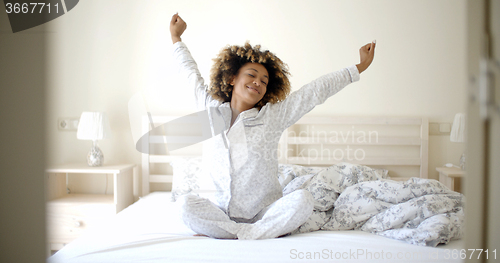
(232, 58)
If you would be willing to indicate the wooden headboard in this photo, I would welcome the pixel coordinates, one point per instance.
(398, 144)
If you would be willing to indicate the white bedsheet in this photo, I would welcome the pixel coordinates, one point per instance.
(150, 230)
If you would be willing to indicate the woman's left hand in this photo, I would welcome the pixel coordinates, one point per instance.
(366, 54)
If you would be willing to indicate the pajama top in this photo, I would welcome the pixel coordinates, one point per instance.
(243, 159)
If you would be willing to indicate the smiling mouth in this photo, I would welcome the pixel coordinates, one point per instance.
(253, 89)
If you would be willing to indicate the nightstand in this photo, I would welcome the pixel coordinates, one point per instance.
(69, 215)
(451, 177)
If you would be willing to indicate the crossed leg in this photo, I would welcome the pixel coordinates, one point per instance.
(279, 218)
(205, 218)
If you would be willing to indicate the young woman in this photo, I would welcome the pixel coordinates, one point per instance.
(249, 90)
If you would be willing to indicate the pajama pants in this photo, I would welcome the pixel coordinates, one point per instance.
(279, 218)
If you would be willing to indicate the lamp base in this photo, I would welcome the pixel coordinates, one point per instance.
(95, 156)
(462, 161)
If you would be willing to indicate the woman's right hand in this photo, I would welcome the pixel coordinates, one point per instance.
(177, 27)
(366, 53)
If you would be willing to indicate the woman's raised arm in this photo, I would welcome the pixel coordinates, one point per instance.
(186, 63)
(318, 91)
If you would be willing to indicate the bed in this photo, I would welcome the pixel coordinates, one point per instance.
(151, 230)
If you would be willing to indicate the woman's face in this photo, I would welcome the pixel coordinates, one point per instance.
(250, 84)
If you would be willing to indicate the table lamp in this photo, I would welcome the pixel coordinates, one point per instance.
(93, 126)
(458, 134)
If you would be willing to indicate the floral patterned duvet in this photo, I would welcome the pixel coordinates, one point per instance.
(348, 196)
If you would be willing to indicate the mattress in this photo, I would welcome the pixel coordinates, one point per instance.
(151, 230)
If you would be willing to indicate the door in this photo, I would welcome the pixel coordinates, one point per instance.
(482, 185)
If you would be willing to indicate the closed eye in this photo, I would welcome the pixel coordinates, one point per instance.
(253, 76)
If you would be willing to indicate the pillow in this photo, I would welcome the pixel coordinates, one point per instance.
(189, 177)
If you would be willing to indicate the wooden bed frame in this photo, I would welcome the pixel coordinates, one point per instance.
(397, 142)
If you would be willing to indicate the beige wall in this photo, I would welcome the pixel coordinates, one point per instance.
(103, 52)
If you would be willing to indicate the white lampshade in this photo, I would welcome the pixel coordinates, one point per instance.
(93, 126)
(458, 129)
